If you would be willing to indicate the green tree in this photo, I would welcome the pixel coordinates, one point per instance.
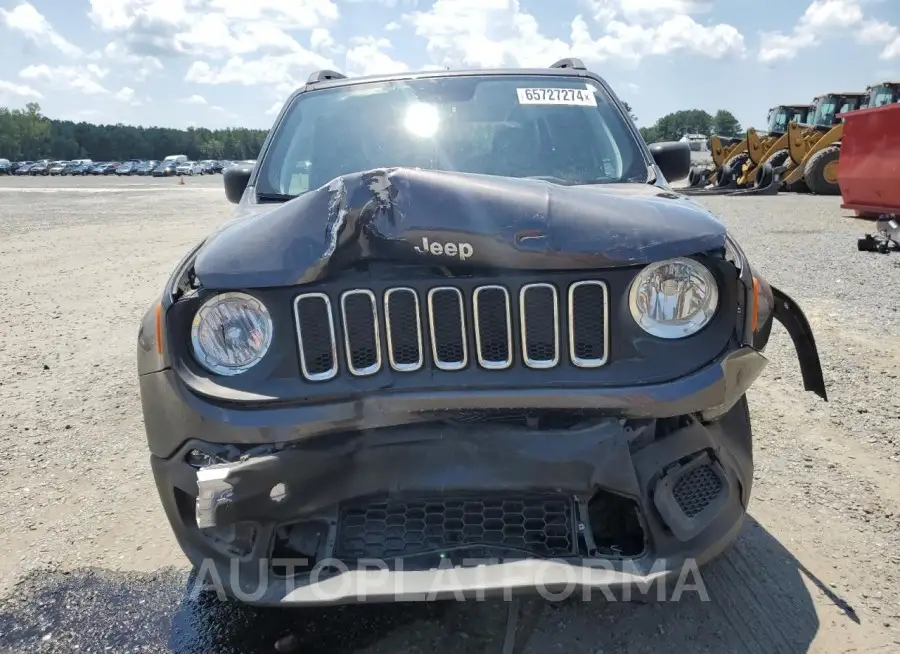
(27, 134)
(630, 111)
(725, 123)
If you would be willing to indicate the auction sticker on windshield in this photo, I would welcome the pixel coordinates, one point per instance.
(579, 97)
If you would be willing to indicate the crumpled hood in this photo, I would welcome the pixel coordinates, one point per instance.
(454, 219)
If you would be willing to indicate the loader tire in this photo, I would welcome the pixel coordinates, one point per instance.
(731, 169)
(821, 171)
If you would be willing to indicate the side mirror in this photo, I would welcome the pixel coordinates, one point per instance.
(236, 179)
(673, 159)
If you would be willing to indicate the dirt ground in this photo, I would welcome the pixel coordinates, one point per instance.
(88, 563)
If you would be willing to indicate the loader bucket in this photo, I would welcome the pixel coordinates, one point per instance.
(869, 166)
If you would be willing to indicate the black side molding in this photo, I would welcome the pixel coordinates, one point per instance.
(791, 316)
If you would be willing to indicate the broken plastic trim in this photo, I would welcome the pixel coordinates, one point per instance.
(789, 314)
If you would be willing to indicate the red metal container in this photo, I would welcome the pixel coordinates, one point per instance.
(869, 164)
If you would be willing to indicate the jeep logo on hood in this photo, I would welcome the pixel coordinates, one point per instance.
(461, 250)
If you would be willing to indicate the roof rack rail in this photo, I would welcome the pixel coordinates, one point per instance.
(324, 75)
(570, 62)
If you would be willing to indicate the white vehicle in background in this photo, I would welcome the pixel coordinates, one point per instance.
(189, 168)
(178, 158)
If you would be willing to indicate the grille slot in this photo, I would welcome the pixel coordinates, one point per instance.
(446, 322)
(696, 489)
(385, 528)
(315, 336)
(588, 329)
(359, 312)
(403, 329)
(539, 318)
(493, 327)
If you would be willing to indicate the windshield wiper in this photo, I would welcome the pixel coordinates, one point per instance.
(274, 197)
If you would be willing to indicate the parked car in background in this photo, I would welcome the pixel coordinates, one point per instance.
(165, 169)
(5, 167)
(78, 169)
(105, 168)
(146, 167)
(208, 166)
(189, 168)
(58, 167)
(40, 168)
(127, 168)
(22, 167)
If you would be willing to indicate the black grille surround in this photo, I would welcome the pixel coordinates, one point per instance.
(451, 327)
(384, 528)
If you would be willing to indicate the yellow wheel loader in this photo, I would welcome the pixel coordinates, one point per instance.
(814, 149)
(772, 146)
(738, 163)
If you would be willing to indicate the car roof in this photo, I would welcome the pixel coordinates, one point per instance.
(328, 79)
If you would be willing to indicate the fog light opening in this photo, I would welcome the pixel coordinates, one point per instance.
(235, 539)
(615, 525)
(296, 547)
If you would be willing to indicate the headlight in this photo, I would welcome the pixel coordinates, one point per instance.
(231, 333)
(673, 298)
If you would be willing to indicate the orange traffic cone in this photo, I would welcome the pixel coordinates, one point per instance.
(181, 180)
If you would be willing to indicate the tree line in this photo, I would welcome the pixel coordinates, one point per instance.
(28, 135)
(672, 127)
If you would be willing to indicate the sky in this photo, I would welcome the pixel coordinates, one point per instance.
(225, 63)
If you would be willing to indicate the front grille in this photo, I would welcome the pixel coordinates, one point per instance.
(363, 346)
(588, 307)
(539, 316)
(404, 329)
(493, 327)
(385, 528)
(696, 489)
(315, 334)
(459, 325)
(446, 321)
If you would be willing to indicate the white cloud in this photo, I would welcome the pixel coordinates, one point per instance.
(21, 90)
(500, 33)
(822, 18)
(210, 28)
(631, 42)
(84, 79)
(892, 50)
(194, 99)
(392, 26)
(321, 41)
(29, 21)
(645, 11)
(489, 33)
(274, 109)
(367, 57)
(128, 96)
(140, 67)
(266, 70)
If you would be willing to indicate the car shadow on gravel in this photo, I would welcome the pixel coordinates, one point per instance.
(757, 601)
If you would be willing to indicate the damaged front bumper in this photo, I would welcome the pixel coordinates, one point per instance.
(654, 477)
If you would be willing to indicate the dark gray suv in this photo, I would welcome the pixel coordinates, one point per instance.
(461, 337)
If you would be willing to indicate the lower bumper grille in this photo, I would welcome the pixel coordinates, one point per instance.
(539, 525)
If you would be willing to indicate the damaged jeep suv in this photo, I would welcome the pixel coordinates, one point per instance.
(460, 337)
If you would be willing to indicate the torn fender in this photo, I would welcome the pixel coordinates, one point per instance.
(437, 218)
(791, 316)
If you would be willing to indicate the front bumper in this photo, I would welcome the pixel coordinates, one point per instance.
(288, 499)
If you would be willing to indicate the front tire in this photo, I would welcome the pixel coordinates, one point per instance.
(821, 171)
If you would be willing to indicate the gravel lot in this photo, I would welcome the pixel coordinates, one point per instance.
(89, 565)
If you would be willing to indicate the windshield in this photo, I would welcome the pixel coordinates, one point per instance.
(778, 120)
(799, 115)
(825, 110)
(882, 95)
(561, 128)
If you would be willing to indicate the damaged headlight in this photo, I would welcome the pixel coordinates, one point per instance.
(673, 298)
(231, 333)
